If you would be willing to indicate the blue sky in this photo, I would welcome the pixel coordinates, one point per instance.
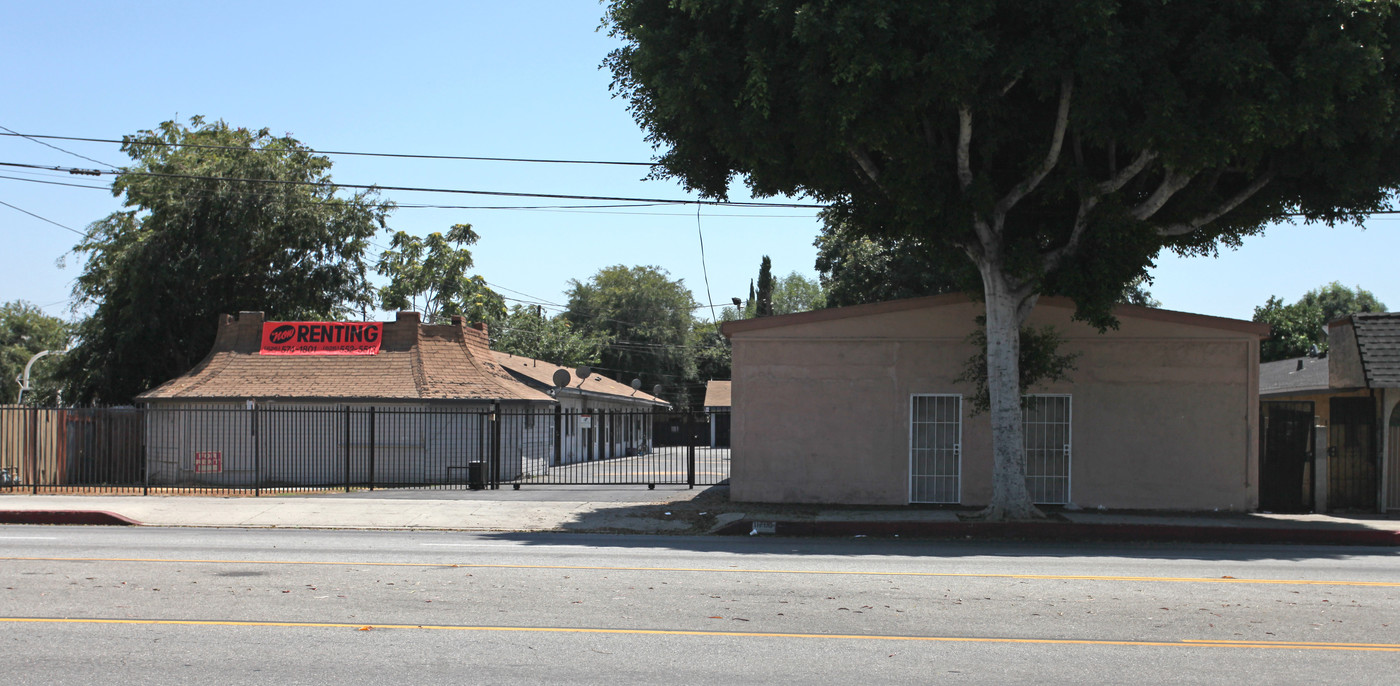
(489, 79)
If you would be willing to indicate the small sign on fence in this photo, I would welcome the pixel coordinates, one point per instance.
(209, 462)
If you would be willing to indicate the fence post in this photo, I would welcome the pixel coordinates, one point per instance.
(496, 446)
(144, 426)
(371, 447)
(558, 435)
(690, 449)
(257, 450)
(347, 448)
(33, 436)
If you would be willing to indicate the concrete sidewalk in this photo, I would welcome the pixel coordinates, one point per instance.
(674, 511)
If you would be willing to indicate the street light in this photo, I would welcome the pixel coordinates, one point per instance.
(23, 379)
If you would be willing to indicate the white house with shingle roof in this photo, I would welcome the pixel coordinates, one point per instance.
(600, 417)
(432, 390)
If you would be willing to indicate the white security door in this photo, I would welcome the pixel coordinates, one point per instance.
(935, 449)
(1045, 431)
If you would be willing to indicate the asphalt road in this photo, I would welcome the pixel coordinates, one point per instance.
(91, 604)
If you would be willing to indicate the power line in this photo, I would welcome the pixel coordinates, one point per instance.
(35, 139)
(317, 152)
(61, 226)
(419, 189)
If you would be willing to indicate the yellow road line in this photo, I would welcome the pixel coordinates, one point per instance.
(1188, 643)
(727, 570)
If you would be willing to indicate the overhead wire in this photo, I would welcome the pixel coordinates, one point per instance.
(415, 156)
(420, 189)
(35, 139)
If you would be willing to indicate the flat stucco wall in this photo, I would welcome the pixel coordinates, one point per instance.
(1164, 415)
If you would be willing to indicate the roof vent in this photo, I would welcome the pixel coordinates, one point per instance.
(1300, 364)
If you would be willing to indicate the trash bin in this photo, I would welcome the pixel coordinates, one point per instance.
(476, 475)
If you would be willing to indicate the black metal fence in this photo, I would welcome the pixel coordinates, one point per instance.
(299, 448)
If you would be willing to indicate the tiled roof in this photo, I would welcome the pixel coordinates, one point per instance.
(1378, 339)
(1296, 375)
(415, 362)
(717, 394)
(540, 374)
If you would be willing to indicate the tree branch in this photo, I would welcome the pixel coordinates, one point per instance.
(867, 165)
(1052, 157)
(1227, 206)
(1171, 184)
(964, 146)
(1123, 176)
(1052, 259)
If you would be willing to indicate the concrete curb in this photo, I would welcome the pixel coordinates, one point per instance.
(87, 517)
(1063, 531)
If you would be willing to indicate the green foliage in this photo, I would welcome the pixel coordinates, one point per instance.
(25, 331)
(1335, 301)
(429, 275)
(1136, 293)
(856, 269)
(1301, 328)
(797, 293)
(646, 315)
(713, 355)
(1040, 361)
(251, 222)
(764, 306)
(1176, 114)
(527, 332)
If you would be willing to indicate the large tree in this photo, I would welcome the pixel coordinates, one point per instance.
(26, 331)
(430, 275)
(1057, 145)
(647, 316)
(1300, 328)
(218, 219)
(528, 332)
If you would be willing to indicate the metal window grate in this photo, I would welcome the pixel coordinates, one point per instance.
(935, 449)
(1045, 431)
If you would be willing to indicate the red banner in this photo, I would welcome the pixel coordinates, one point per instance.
(321, 338)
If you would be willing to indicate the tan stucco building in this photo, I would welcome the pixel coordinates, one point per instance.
(861, 405)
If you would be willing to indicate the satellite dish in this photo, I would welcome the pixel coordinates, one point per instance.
(561, 377)
(656, 390)
(636, 384)
(583, 371)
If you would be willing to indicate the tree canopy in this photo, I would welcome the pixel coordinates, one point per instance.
(24, 332)
(647, 317)
(219, 220)
(1301, 328)
(1057, 145)
(529, 333)
(430, 275)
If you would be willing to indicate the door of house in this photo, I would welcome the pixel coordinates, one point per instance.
(935, 449)
(1045, 432)
(1285, 473)
(1352, 459)
(1392, 470)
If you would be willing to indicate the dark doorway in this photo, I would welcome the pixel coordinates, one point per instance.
(1352, 460)
(721, 429)
(1285, 473)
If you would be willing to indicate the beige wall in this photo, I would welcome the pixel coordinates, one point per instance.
(1164, 413)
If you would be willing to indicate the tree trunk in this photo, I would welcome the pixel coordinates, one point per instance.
(1006, 307)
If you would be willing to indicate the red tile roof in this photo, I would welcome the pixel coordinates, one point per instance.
(415, 362)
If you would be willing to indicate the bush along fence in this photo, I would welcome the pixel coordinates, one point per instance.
(261, 448)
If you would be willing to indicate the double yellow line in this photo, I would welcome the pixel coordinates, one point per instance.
(1188, 643)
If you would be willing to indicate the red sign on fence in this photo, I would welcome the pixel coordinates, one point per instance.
(321, 338)
(209, 462)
